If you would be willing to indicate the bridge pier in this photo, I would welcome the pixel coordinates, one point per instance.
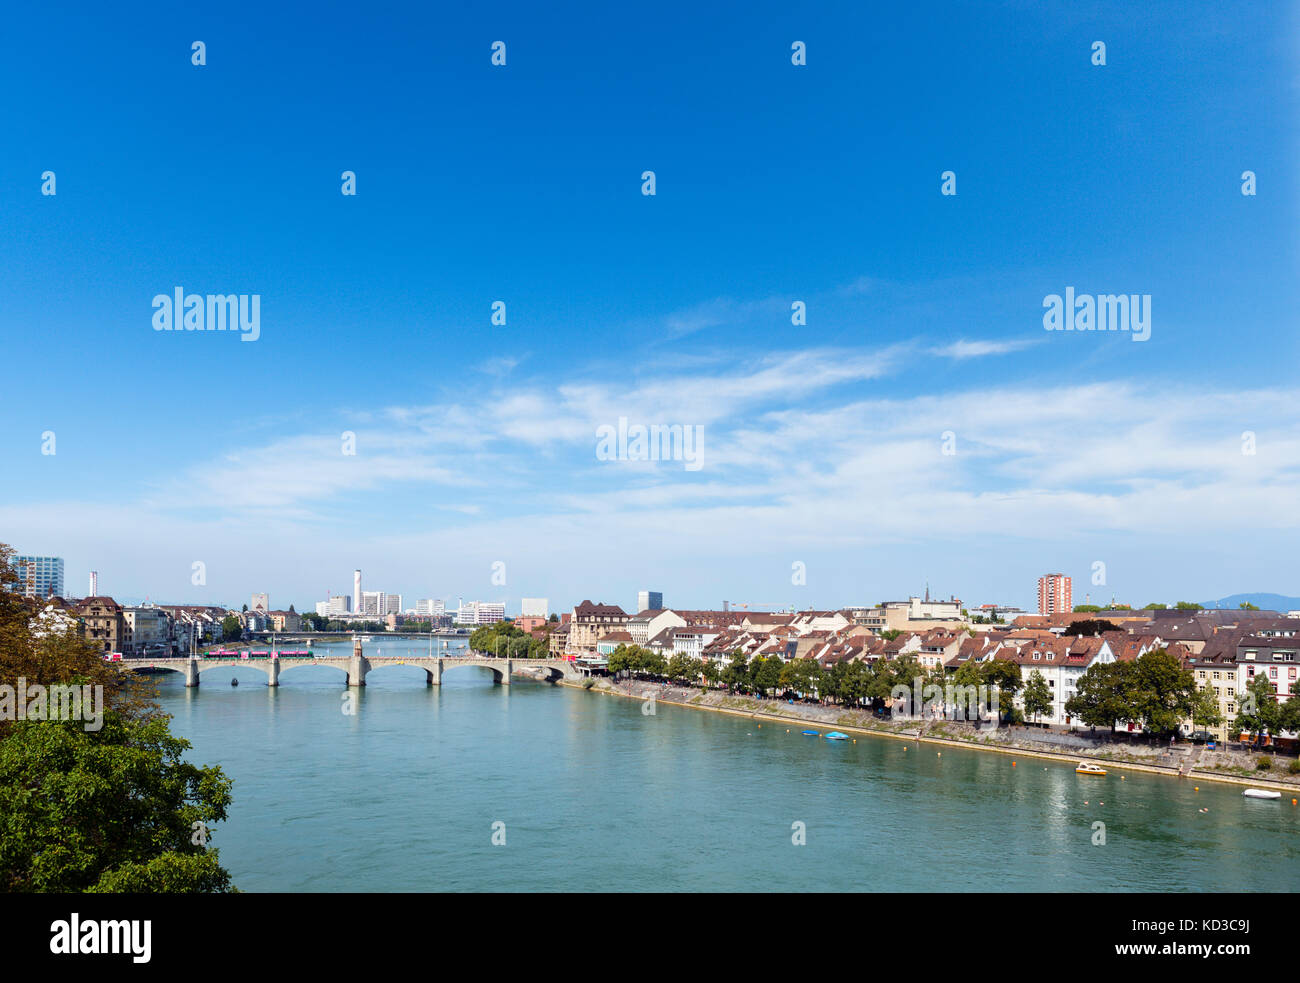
(273, 672)
(357, 665)
(433, 677)
(191, 673)
(357, 669)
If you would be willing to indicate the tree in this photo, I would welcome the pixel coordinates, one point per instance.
(1038, 696)
(1086, 608)
(1003, 677)
(1162, 692)
(1258, 712)
(110, 810)
(768, 676)
(244, 609)
(555, 619)
(1247, 606)
(1205, 708)
(1102, 698)
(231, 629)
(710, 672)
(1289, 715)
(680, 667)
(1187, 606)
(736, 674)
(1154, 606)
(1086, 627)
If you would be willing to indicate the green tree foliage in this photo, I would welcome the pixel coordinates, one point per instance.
(103, 810)
(504, 640)
(1258, 711)
(1086, 608)
(110, 810)
(1161, 692)
(231, 630)
(735, 676)
(1101, 698)
(1087, 627)
(1205, 708)
(1038, 696)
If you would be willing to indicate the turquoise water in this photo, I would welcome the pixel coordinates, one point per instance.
(596, 795)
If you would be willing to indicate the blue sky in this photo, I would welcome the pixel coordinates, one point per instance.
(775, 183)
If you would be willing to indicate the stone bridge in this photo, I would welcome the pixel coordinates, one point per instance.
(358, 666)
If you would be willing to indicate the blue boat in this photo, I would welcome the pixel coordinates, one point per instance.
(835, 735)
(811, 733)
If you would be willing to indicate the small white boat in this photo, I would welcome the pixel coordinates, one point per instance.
(1261, 793)
(1087, 768)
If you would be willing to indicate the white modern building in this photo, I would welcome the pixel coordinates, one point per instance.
(534, 607)
(431, 606)
(481, 613)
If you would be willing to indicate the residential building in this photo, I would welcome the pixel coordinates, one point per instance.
(284, 620)
(148, 631)
(590, 622)
(1054, 594)
(649, 623)
(102, 623)
(529, 622)
(430, 606)
(1276, 658)
(612, 640)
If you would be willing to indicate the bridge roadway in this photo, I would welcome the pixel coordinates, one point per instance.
(357, 666)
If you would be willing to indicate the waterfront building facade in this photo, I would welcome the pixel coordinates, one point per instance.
(102, 622)
(590, 622)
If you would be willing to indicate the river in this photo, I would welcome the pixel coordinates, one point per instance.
(406, 793)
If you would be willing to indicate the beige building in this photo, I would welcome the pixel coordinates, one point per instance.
(102, 623)
(590, 622)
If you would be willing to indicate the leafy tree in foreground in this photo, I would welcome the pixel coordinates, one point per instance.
(110, 810)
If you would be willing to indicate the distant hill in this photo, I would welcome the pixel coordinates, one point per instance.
(1265, 602)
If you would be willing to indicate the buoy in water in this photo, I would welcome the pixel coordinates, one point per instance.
(234, 682)
(1013, 764)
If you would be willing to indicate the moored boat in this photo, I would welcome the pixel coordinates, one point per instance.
(811, 733)
(1088, 768)
(1261, 793)
(835, 735)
